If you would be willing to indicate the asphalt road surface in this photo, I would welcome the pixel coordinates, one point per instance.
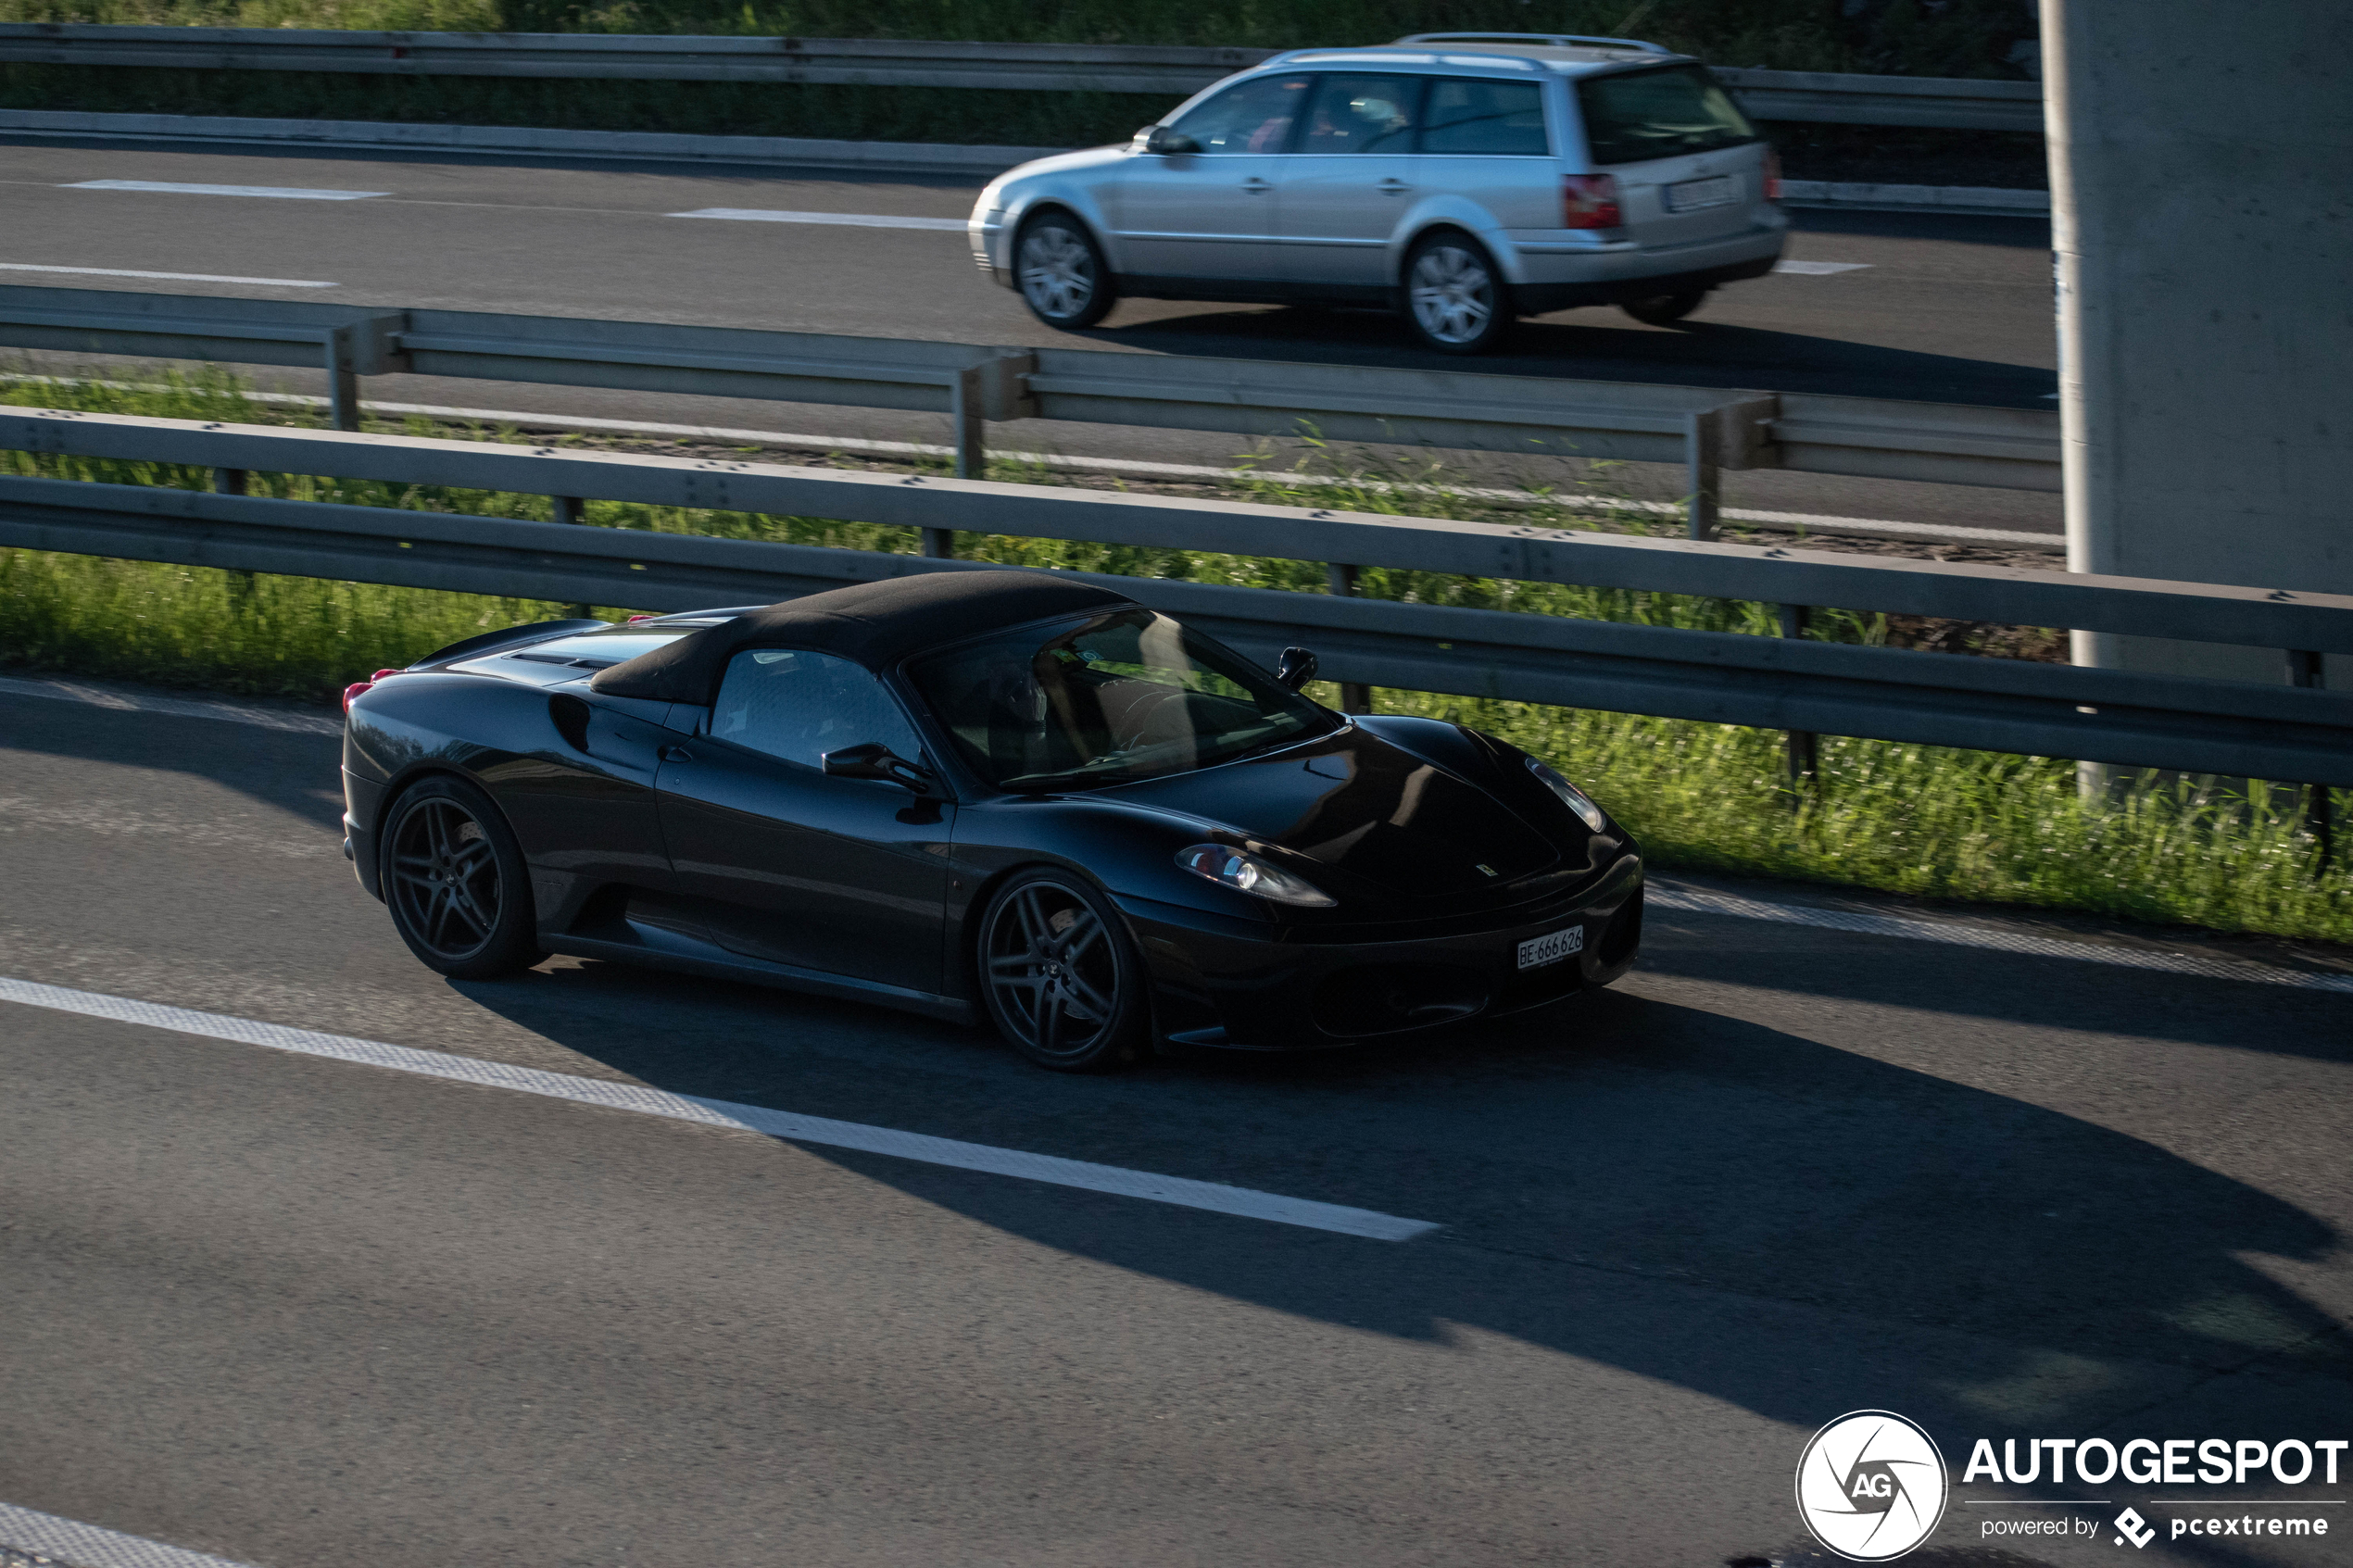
(1931, 307)
(305, 1313)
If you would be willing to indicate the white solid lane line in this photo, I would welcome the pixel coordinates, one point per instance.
(1821, 268)
(1692, 900)
(87, 1546)
(172, 277)
(1182, 1191)
(852, 219)
(290, 193)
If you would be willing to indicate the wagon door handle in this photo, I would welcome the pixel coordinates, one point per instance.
(1393, 186)
(1255, 186)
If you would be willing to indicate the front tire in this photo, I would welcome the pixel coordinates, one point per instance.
(1060, 270)
(455, 881)
(1664, 309)
(1062, 978)
(1457, 300)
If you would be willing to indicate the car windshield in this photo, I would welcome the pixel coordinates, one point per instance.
(1121, 697)
(1662, 113)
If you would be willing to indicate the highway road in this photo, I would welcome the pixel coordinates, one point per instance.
(305, 1312)
(1928, 306)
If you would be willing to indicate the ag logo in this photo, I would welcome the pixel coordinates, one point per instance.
(1871, 1486)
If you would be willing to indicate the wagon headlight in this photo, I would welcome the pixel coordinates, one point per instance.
(1571, 796)
(1247, 873)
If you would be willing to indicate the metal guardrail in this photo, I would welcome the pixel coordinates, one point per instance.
(2279, 731)
(1108, 68)
(1707, 429)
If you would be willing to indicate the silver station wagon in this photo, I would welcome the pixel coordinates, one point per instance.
(1464, 181)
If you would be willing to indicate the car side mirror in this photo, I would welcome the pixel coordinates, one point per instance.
(876, 760)
(1162, 140)
(1295, 669)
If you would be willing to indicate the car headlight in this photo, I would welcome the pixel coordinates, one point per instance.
(1243, 872)
(1571, 796)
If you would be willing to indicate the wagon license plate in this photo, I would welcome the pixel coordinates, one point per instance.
(1693, 194)
(1537, 951)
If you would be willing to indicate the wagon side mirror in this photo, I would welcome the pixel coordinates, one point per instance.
(1295, 669)
(1162, 140)
(876, 760)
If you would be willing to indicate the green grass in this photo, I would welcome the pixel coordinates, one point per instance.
(1911, 819)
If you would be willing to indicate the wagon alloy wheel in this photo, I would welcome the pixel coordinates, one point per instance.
(1059, 976)
(1456, 303)
(1061, 273)
(456, 883)
(446, 878)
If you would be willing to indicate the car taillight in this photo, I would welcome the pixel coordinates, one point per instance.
(1589, 201)
(351, 693)
(1772, 175)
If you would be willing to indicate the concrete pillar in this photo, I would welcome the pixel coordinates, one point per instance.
(2202, 198)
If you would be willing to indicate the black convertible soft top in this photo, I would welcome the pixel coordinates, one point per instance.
(872, 623)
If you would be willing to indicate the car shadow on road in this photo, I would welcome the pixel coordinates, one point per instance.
(1597, 345)
(1757, 1216)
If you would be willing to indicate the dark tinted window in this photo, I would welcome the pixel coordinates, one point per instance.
(1661, 113)
(1125, 696)
(1466, 115)
(1360, 114)
(798, 705)
(1249, 117)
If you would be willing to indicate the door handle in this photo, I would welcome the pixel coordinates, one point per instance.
(1255, 186)
(676, 754)
(1392, 186)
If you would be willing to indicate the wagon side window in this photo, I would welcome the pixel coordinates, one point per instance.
(798, 705)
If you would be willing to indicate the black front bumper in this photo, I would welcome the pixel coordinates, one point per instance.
(1218, 981)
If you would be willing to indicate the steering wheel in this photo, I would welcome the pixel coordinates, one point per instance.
(1140, 717)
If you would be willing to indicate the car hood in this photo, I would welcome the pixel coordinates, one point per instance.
(1372, 811)
(1075, 162)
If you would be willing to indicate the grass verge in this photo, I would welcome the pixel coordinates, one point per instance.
(1908, 819)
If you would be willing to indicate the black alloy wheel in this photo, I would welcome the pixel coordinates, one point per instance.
(1455, 298)
(1060, 270)
(1063, 981)
(455, 881)
(1664, 309)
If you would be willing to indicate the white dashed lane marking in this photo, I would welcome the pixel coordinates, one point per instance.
(1179, 1191)
(168, 277)
(1821, 268)
(851, 220)
(173, 187)
(87, 1546)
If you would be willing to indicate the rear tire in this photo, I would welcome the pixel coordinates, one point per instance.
(1060, 270)
(1455, 299)
(455, 881)
(1062, 980)
(1664, 309)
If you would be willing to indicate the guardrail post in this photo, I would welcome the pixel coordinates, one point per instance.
(1702, 466)
(228, 482)
(343, 378)
(1805, 748)
(1355, 695)
(572, 510)
(2307, 668)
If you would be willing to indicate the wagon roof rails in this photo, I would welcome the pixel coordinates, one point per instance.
(1556, 40)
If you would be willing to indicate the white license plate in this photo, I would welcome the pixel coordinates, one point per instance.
(1537, 951)
(1693, 194)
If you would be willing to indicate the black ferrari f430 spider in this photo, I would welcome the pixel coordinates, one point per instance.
(979, 794)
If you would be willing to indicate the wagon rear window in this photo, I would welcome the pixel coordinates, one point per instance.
(1662, 113)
